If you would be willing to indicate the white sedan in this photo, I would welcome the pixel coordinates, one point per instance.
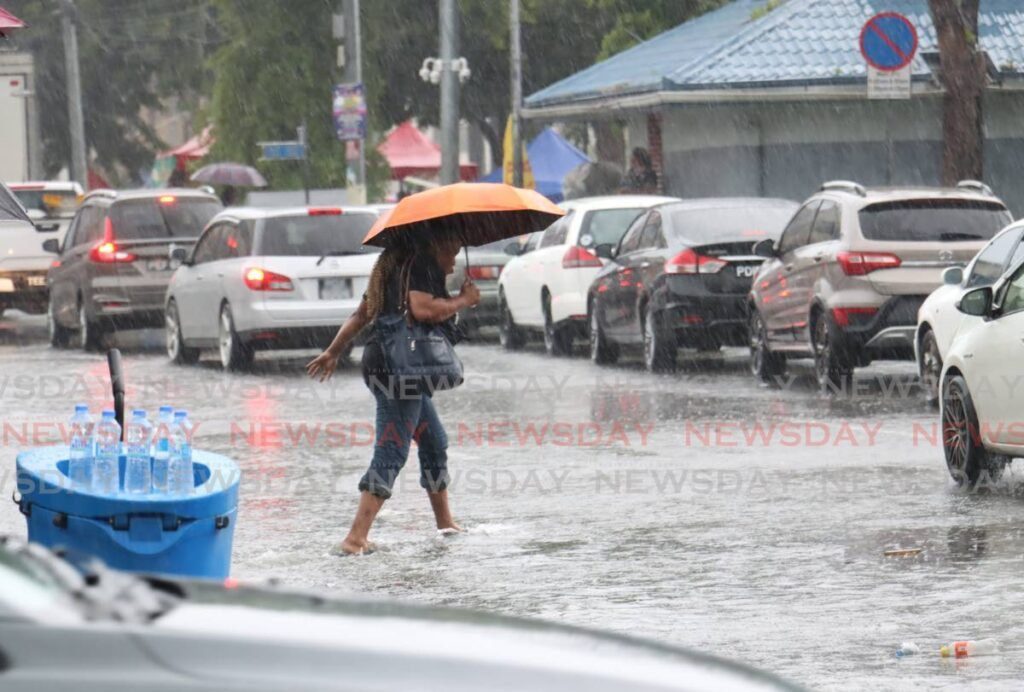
(262, 279)
(938, 320)
(982, 425)
(545, 289)
(91, 629)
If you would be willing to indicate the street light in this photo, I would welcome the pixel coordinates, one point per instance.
(431, 69)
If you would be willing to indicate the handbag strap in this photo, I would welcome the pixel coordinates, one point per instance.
(405, 278)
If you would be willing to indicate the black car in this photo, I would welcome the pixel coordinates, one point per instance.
(680, 277)
(112, 270)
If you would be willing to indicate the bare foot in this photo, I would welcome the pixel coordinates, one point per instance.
(353, 547)
(449, 528)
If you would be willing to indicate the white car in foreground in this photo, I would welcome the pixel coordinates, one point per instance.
(545, 289)
(91, 629)
(268, 279)
(939, 321)
(23, 261)
(982, 418)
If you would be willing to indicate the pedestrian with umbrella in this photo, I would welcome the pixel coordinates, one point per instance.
(409, 353)
(231, 176)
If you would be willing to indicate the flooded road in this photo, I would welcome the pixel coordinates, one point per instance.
(697, 508)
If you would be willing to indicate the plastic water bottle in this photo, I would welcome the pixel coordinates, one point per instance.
(908, 649)
(82, 444)
(138, 435)
(162, 448)
(180, 472)
(982, 647)
(106, 476)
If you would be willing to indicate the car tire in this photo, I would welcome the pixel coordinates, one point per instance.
(91, 335)
(557, 339)
(832, 366)
(659, 344)
(966, 457)
(510, 336)
(764, 365)
(931, 368)
(177, 351)
(602, 351)
(234, 355)
(60, 336)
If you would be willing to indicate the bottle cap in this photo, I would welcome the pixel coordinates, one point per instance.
(180, 414)
(81, 408)
(166, 409)
(944, 651)
(108, 413)
(139, 412)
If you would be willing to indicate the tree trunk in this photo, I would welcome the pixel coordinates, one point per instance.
(964, 77)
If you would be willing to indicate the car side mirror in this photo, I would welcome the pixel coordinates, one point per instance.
(605, 251)
(51, 245)
(765, 248)
(952, 276)
(977, 302)
(514, 249)
(180, 254)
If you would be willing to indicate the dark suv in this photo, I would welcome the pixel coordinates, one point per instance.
(115, 262)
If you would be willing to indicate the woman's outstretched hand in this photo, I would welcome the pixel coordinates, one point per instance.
(323, 366)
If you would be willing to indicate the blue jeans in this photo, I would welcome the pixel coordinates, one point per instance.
(399, 421)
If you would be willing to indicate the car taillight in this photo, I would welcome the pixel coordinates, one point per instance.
(167, 199)
(485, 273)
(324, 211)
(861, 263)
(690, 262)
(257, 279)
(842, 315)
(577, 257)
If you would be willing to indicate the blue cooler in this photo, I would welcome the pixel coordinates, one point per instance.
(155, 534)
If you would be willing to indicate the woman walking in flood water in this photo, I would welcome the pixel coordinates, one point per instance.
(408, 275)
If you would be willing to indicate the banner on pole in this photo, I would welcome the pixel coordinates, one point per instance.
(349, 110)
(508, 163)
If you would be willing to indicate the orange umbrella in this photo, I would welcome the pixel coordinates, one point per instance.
(482, 213)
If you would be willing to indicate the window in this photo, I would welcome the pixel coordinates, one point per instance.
(206, 248)
(702, 224)
(316, 236)
(152, 219)
(556, 232)
(631, 240)
(606, 226)
(1013, 294)
(69, 238)
(651, 237)
(532, 241)
(992, 261)
(798, 231)
(237, 240)
(826, 223)
(1018, 255)
(90, 225)
(10, 208)
(930, 220)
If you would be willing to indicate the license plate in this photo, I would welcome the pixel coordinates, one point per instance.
(746, 271)
(335, 289)
(36, 280)
(159, 264)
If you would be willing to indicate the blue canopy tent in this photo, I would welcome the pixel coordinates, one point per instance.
(551, 158)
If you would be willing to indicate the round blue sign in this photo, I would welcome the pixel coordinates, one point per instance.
(888, 41)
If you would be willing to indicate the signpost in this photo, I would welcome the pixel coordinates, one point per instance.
(294, 150)
(888, 43)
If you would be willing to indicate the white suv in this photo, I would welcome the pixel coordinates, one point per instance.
(546, 289)
(23, 261)
(268, 279)
(982, 425)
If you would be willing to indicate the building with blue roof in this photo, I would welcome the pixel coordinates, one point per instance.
(753, 98)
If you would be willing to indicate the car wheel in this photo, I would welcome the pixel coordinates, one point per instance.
(931, 368)
(557, 339)
(602, 351)
(966, 458)
(510, 336)
(60, 336)
(659, 344)
(91, 336)
(764, 365)
(177, 351)
(831, 366)
(234, 355)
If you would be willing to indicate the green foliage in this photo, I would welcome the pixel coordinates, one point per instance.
(765, 9)
(132, 54)
(638, 20)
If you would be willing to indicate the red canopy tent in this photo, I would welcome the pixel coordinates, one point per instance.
(8, 21)
(409, 152)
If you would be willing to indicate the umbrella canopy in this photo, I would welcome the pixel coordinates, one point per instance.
(8, 21)
(482, 212)
(236, 174)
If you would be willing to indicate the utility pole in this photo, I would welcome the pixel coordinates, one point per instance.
(76, 123)
(517, 95)
(449, 22)
(357, 40)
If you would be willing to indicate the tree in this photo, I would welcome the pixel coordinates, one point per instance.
(964, 76)
(132, 54)
(636, 21)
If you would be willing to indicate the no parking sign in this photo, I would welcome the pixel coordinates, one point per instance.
(888, 42)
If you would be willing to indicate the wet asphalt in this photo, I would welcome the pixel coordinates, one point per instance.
(699, 508)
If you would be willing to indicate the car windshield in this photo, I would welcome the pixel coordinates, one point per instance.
(25, 585)
(164, 217)
(751, 222)
(606, 226)
(10, 208)
(931, 220)
(315, 236)
(55, 204)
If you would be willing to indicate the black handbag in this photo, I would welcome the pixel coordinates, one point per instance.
(418, 357)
